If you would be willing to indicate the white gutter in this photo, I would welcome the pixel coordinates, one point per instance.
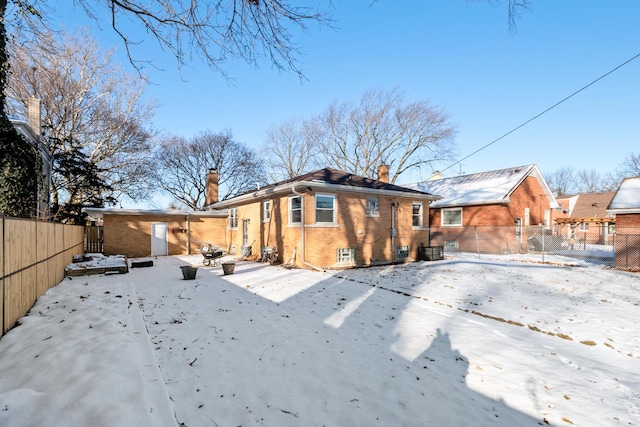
(453, 204)
(622, 211)
(100, 212)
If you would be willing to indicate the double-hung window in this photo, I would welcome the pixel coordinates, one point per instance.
(417, 216)
(295, 210)
(325, 209)
(451, 217)
(266, 210)
(233, 218)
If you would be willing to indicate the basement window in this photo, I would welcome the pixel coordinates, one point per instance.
(402, 252)
(346, 255)
(451, 246)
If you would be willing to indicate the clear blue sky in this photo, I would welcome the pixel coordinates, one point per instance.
(459, 55)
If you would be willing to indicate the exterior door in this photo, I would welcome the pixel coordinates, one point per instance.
(245, 232)
(159, 239)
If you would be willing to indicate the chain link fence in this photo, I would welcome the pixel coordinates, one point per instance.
(603, 244)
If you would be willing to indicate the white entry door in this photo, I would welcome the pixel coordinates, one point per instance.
(159, 239)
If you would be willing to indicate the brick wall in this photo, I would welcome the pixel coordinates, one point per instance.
(370, 236)
(130, 235)
(628, 242)
(528, 195)
(628, 220)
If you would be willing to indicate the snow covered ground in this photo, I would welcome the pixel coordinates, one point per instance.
(466, 341)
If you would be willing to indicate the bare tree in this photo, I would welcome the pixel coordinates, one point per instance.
(289, 150)
(629, 167)
(382, 128)
(209, 29)
(90, 107)
(592, 181)
(562, 181)
(182, 166)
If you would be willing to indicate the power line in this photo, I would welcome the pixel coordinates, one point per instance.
(545, 111)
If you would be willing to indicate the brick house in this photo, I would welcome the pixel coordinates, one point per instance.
(329, 218)
(140, 233)
(625, 205)
(513, 199)
(584, 218)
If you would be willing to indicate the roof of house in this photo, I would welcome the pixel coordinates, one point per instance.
(627, 197)
(482, 188)
(98, 213)
(32, 138)
(589, 205)
(327, 179)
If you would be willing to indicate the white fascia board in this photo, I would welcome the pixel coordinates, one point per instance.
(476, 203)
(100, 212)
(300, 186)
(623, 211)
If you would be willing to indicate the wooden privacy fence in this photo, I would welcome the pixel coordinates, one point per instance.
(33, 255)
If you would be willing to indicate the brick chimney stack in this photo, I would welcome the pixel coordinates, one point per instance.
(212, 187)
(34, 111)
(383, 173)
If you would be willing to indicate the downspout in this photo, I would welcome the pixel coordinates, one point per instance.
(188, 235)
(293, 189)
(393, 230)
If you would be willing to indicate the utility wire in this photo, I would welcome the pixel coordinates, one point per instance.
(540, 114)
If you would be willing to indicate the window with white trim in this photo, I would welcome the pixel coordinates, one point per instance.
(416, 213)
(233, 218)
(266, 210)
(372, 207)
(345, 255)
(451, 217)
(325, 208)
(295, 210)
(527, 217)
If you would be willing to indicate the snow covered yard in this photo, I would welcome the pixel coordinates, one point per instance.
(465, 341)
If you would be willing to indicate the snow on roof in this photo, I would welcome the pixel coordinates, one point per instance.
(327, 179)
(479, 188)
(627, 198)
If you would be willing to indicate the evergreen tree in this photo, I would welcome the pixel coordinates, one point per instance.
(19, 160)
(83, 182)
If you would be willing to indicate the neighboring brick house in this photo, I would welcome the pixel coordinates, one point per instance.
(625, 205)
(584, 218)
(141, 233)
(330, 219)
(513, 199)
